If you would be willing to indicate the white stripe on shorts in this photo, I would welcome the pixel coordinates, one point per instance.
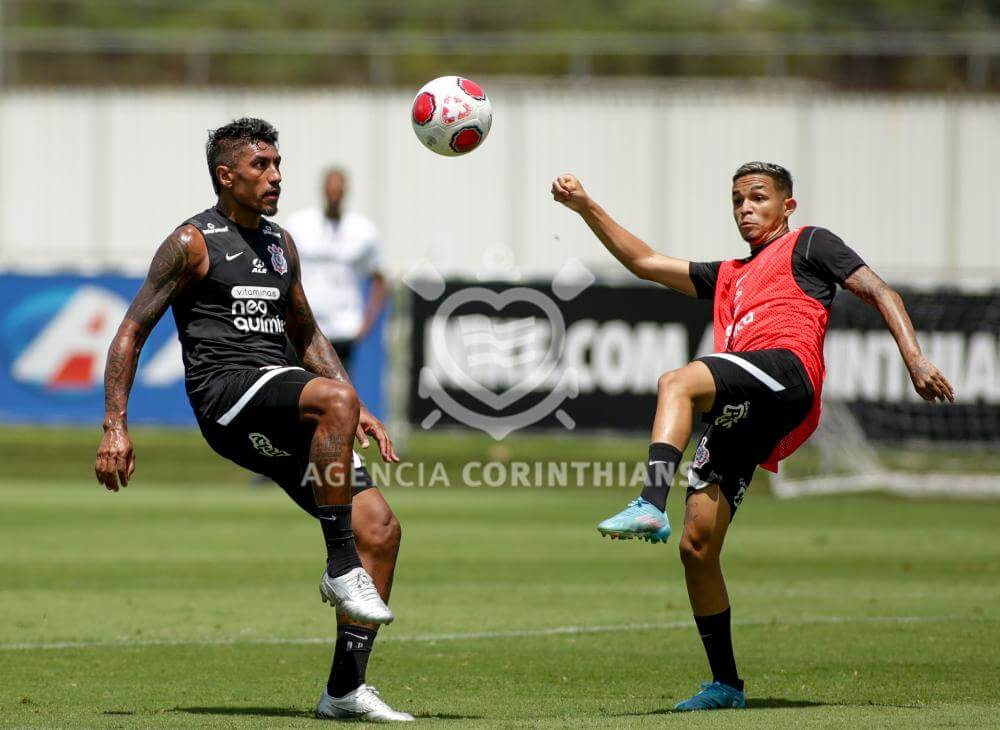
(229, 415)
(763, 377)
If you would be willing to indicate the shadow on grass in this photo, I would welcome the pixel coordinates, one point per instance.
(248, 711)
(441, 716)
(780, 703)
(773, 703)
(289, 712)
(756, 703)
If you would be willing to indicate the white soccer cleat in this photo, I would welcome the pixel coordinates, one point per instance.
(355, 592)
(360, 704)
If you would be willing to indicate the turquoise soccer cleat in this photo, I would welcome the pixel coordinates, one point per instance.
(640, 519)
(714, 696)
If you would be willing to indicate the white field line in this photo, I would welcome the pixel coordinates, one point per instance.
(479, 635)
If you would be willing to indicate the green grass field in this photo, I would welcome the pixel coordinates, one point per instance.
(190, 599)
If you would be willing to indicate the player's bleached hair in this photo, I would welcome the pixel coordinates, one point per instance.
(782, 178)
(225, 142)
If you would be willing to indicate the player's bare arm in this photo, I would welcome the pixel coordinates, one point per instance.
(634, 254)
(180, 259)
(929, 382)
(318, 355)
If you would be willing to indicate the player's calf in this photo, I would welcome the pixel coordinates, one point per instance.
(705, 524)
(378, 546)
(361, 595)
(378, 537)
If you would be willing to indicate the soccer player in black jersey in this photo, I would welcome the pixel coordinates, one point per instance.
(233, 280)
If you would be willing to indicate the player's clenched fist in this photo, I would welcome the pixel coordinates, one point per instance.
(567, 190)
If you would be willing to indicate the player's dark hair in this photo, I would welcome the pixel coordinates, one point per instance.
(225, 142)
(782, 178)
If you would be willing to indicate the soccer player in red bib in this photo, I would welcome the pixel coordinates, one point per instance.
(759, 393)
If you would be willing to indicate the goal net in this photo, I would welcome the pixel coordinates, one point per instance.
(841, 458)
(877, 434)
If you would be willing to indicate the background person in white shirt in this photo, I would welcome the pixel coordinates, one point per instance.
(340, 253)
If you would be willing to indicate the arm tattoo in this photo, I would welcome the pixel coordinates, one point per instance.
(167, 276)
(119, 372)
(169, 273)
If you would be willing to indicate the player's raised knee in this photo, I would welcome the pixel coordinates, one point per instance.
(666, 381)
(330, 400)
(671, 381)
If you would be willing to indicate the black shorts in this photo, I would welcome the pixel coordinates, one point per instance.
(261, 430)
(760, 397)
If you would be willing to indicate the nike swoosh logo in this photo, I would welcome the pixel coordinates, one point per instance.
(230, 257)
(362, 638)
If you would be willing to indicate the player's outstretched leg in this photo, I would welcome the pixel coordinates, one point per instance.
(706, 520)
(680, 394)
(332, 408)
(347, 694)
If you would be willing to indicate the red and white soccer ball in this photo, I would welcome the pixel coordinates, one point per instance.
(451, 115)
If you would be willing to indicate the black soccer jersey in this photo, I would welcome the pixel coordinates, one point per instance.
(234, 318)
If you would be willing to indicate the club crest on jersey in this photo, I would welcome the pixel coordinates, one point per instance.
(732, 413)
(278, 262)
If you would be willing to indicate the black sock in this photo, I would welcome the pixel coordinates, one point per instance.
(717, 637)
(660, 471)
(350, 659)
(341, 553)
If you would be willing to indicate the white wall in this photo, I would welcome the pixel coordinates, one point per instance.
(96, 179)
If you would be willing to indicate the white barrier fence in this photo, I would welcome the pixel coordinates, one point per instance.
(95, 179)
